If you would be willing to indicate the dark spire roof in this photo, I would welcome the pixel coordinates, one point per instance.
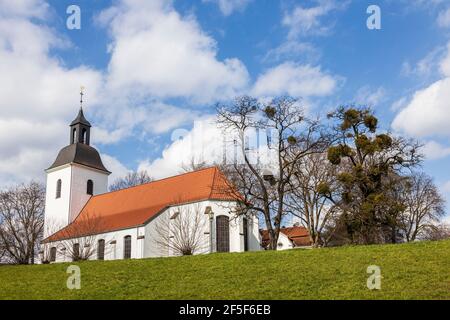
(79, 153)
(80, 119)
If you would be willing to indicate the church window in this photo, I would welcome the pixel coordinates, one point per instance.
(222, 234)
(83, 136)
(74, 135)
(58, 189)
(53, 254)
(101, 249)
(127, 247)
(90, 187)
(245, 231)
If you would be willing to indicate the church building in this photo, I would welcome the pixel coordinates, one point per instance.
(85, 221)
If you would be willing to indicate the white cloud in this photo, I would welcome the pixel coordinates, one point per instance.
(202, 143)
(434, 150)
(444, 18)
(155, 51)
(117, 169)
(307, 20)
(295, 80)
(425, 66)
(24, 8)
(291, 49)
(35, 90)
(370, 96)
(155, 54)
(427, 113)
(227, 7)
(445, 63)
(399, 104)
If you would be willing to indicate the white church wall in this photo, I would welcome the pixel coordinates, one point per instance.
(162, 221)
(144, 239)
(79, 197)
(153, 249)
(114, 245)
(236, 227)
(59, 212)
(57, 209)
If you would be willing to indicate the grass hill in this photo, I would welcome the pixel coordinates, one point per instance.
(409, 271)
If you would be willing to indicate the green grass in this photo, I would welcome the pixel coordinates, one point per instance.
(410, 271)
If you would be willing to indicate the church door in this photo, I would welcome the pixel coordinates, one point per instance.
(222, 234)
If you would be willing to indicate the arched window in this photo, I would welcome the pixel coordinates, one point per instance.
(90, 187)
(101, 249)
(245, 232)
(83, 136)
(127, 247)
(58, 188)
(222, 234)
(53, 254)
(74, 135)
(76, 252)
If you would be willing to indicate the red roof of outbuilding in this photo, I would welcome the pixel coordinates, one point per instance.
(135, 206)
(298, 235)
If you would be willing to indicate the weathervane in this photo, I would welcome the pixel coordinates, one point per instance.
(81, 97)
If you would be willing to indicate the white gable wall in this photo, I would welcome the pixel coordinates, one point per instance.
(60, 212)
(57, 210)
(79, 179)
(284, 243)
(152, 249)
(143, 239)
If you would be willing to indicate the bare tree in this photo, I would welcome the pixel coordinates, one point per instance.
(436, 232)
(424, 206)
(130, 180)
(182, 232)
(194, 165)
(21, 222)
(78, 241)
(2, 254)
(265, 188)
(308, 201)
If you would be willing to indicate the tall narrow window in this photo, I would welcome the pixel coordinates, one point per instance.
(74, 135)
(90, 187)
(76, 252)
(127, 247)
(101, 250)
(83, 136)
(245, 232)
(58, 188)
(53, 254)
(222, 234)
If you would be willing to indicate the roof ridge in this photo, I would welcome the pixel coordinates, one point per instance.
(213, 182)
(153, 181)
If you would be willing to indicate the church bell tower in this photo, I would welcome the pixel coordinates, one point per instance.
(75, 176)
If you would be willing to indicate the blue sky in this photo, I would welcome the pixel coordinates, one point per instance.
(153, 69)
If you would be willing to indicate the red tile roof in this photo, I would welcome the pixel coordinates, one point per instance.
(298, 235)
(135, 206)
